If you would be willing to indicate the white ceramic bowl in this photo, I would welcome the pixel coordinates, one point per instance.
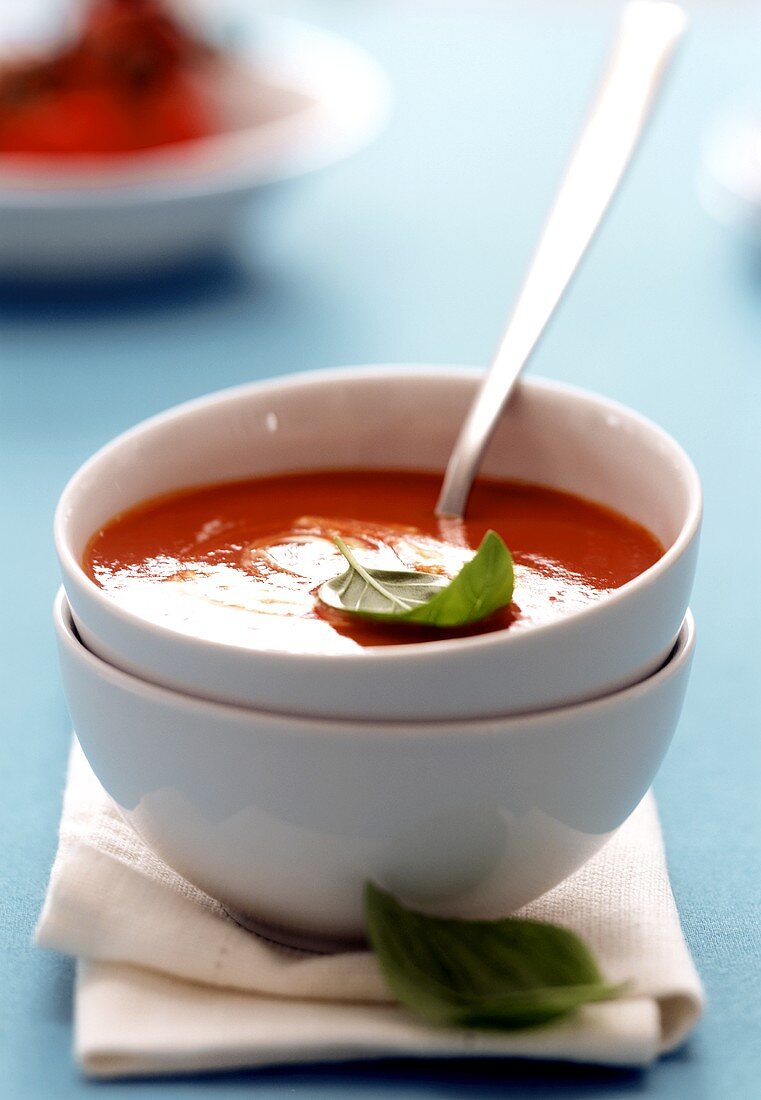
(403, 417)
(323, 99)
(284, 819)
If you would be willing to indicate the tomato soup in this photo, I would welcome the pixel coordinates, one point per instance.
(132, 78)
(242, 561)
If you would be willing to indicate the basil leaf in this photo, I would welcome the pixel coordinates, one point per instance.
(483, 585)
(504, 974)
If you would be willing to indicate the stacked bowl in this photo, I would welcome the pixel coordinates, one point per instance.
(467, 775)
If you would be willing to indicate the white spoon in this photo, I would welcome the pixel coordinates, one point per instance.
(648, 34)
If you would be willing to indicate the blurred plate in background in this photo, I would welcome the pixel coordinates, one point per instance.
(297, 100)
(730, 180)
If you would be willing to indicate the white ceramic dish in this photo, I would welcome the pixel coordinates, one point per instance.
(371, 417)
(730, 177)
(325, 98)
(285, 819)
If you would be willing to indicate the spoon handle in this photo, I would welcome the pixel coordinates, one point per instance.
(647, 37)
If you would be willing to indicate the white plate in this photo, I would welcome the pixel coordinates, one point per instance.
(326, 98)
(730, 180)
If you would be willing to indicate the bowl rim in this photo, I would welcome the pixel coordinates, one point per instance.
(180, 169)
(390, 654)
(347, 728)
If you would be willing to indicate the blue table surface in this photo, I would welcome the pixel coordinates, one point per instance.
(412, 251)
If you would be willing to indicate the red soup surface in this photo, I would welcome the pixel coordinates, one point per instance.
(242, 561)
(133, 77)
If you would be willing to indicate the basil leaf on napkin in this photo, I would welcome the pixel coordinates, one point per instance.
(483, 585)
(501, 974)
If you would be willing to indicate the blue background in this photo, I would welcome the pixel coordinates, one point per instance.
(412, 251)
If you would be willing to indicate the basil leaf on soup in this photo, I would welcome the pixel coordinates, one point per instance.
(483, 586)
(501, 974)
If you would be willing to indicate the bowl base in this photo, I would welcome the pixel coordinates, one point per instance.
(313, 943)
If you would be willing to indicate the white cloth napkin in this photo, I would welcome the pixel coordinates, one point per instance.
(168, 983)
